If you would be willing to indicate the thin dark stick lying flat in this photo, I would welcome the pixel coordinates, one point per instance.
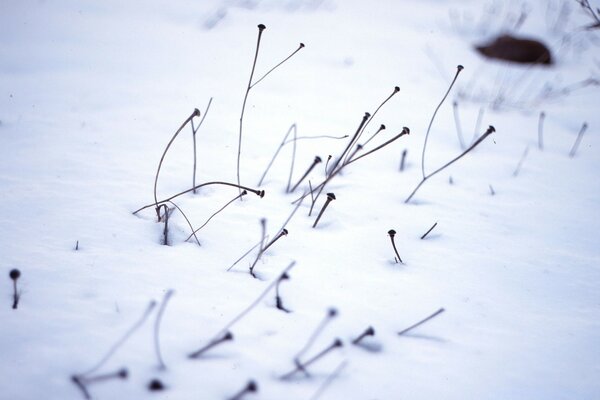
(578, 140)
(435, 314)
(427, 233)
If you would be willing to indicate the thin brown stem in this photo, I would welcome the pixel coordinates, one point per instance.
(261, 28)
(259, 193)
(578, 140)
(194, 130)
(188, 222)
(435, 314)
(196, 113)
(300, 47)
(485, 135)
(458, 69)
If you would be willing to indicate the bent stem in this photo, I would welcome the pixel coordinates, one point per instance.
(485, 135)
(189, 224)
(194, 130)
(261, 28)
(260, 193)
(196, 113)
(458, 69)
(251, 85)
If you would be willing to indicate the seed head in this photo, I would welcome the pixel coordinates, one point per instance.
(14, 274)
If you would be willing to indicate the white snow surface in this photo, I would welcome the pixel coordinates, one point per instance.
(90, 95)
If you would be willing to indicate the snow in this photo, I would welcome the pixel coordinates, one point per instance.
(90, 96)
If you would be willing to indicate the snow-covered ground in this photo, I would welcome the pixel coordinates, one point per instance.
(91, 93)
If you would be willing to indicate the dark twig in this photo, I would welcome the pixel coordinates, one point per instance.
(261, 28)
(357, 138)
(261, 242)
(278, 301)
(427, 233)
(81, 382)
(370, 331)
(403, 160)
(300, 47)
(196, 113)
(349, 145)
(326, 165)
(479, 140)
(259, 193)
(321, 186)
(585, 4)
(435, 314)
(578, 140)
(458, 69)
(316, 161)
(405, 131)
(392, 234)
(14, 275)
(263, 237)
(330, 198)
(166, 215)
(251, 387)
(194, 130)
(282, 232)
(227, 336)
(492, 191)
(381, 128)
(302, 367)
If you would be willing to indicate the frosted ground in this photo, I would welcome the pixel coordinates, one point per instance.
(90, 94)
